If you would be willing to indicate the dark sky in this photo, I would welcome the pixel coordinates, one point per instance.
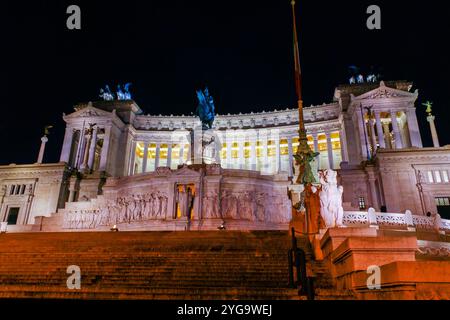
(241, 49)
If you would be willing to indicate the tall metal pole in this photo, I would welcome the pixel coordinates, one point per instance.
(304, 155)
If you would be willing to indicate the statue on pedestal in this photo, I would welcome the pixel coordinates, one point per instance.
(205, 108)
(331, 208)
(185, 199)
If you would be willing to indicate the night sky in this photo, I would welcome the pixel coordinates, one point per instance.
(242, 50)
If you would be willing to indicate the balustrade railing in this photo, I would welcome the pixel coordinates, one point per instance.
(401, 220)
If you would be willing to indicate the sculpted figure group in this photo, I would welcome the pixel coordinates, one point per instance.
(254, 206)
(138, 207)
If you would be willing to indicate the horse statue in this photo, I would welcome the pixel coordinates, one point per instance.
(120, 94)
(127, 94)
(106, 94)
(205, 108)
(330, 195)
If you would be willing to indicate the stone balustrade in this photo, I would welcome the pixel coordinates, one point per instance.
(401, 220)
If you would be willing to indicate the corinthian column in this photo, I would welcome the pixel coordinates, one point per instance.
(398, 138)
(380, 133)
(434, 134)
(329, 150)
(44, 140)
(92, 149)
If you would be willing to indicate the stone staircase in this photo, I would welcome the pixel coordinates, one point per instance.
(153, 265)
(147, 265)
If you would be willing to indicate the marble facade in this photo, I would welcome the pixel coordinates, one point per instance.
(110, 141)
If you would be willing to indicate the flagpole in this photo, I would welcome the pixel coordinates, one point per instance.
(304, 155)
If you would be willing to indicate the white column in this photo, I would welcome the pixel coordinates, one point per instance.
(145, 158)
(413, 127)
(363, 136)
(241, 155)
(105, 149)
(329, 150)
(80, 157)
(67, 145)
(291, 157)
(79, 147)
(229, 145)
(87, 148)
(277, 154)
(181, 154)
(372, 134)
(253, 153)
(343, 141)
(158, 149)
(44, 140)
(132, 158)
(395, 128)
(380, 132)
(265, 154)
(315, 136)
(169, 155)
(434, 134)
(387, 135)
(92, 149)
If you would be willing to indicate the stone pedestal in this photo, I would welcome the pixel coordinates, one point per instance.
(350, 250)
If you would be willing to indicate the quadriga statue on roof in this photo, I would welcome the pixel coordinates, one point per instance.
(205, 108)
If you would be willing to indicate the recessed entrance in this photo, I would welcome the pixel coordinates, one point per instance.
(13, 214)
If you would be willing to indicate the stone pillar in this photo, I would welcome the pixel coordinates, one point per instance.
(169, 155)
(105, 149)
(329, 150)
(92, 149)
(381, 140)
(241, 155)
(145, 158)
(291, 157)
(67, 145)
(413, 126)
(181, 154)
(265, 154)
(363, 136)
(315, 136)
(277, 154)
(434, 134)
(373, 137)
(373, 187)
(387, 135)
(85, 165)
(132, 158)
(44, 140)
(72, 188)
(395, 128)
(158, 149)
(229, 153)
(81, 149)
(253, 153)
(343, 141)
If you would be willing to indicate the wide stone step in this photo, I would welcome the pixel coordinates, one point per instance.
(149, 265)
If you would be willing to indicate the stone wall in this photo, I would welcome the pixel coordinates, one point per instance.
(37, 190)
